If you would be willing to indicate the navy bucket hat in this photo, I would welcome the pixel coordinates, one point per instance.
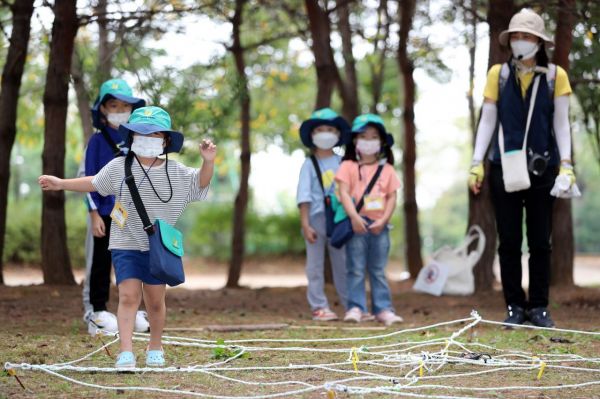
(114, 88)
(361, 122)
(327, 117)
(148, 120)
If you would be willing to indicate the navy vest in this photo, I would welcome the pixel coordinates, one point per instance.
(512, 113)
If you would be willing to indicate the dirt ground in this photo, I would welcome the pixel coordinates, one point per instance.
(29, 311)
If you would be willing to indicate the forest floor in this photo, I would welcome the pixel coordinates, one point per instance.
(43, 325)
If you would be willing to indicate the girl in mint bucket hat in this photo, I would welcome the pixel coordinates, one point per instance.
(165, 187)
(324, 130)
(112, 107)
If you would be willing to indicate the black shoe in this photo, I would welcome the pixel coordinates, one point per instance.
(516, 315)
(540, 317)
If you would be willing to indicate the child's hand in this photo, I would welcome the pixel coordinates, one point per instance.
(208, 150)
(98, 227)
(359, 225)
(377, 226)
(309, 233)
(50, 183)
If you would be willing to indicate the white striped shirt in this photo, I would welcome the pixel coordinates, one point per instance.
(111, 181)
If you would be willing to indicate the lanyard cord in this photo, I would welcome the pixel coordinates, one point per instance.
(150, 181)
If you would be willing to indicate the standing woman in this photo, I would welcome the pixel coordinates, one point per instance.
(543, 132)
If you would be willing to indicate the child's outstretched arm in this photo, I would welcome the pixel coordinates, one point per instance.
(53, 183)
(208, 152)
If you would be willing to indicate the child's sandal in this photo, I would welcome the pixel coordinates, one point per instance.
(125, 360)
(155, 358)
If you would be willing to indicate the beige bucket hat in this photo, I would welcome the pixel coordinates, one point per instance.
(528, 21)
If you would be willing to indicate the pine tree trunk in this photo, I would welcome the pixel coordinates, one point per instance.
(56, 264)
(9, 96)
(327, 73)
(83, 99)
(481, 210)
(241, 200)
(563, 241)
(348, 86)
(414, 260)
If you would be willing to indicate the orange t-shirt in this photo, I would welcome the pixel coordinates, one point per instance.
(357, 178)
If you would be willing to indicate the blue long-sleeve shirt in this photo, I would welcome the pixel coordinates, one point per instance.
(97, 155)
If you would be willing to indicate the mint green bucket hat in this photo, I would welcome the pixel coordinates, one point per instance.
(148, 120)
(114, 88)
(361, 122)
(320, 117)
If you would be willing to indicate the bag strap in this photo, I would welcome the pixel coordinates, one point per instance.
(536, 84)
(369, 187)
(135, 195)
(111, 143)
(318, 170)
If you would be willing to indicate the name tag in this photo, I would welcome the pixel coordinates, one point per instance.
(374, 203)
(119, 214)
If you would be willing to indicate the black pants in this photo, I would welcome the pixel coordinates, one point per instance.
(100, 273)
(537, 203)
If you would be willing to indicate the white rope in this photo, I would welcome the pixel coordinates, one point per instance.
(409, 362)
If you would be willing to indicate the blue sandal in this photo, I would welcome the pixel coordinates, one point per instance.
(125, 360)
(155, 358)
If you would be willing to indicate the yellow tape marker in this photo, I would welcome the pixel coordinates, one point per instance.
(355, 359)
(421, 371)
(11, 372)
(541, 372)
(330, 394)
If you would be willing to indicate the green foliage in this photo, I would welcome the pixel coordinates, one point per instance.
(223, 352)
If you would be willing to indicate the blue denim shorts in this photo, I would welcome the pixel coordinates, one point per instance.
(133, 264)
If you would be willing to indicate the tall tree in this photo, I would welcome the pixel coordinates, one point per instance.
(349, 85)
(326, 69)
(241, 199)
(377, 60)
(409, 155)
(563, 241)
(481, 211)
(12, 74)
(56, 264)
(81, 93)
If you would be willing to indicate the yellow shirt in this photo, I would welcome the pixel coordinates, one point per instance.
(561, 85)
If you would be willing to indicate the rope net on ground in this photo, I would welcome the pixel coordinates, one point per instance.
(450, 365)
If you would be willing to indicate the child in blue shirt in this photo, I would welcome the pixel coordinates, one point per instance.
(112, 108)
(320, 133)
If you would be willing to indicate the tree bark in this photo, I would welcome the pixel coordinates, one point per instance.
(414, 260)
(241, 200)
(83, 99)
(12, 74)
(563, 240)
(56, 264)
(481, 210)
(105, 48)
(348, 86)
(377, 67)
(327, 73)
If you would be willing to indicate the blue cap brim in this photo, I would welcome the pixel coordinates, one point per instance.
(96, 114)
(389, 139)
(310, 124)
(144, 128)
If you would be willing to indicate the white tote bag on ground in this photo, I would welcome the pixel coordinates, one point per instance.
(514, 163)
(451, 270)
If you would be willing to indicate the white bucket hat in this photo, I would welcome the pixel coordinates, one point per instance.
(526, 21)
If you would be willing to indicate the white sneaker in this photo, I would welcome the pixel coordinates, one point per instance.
(388, 317)
(102, 322)
(353, 315)
(141, 322)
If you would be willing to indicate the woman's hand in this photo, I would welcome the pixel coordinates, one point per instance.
(208, 150)
(359, 225)
(50, 183)
(98, 227)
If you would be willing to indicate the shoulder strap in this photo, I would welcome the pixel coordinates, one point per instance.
(369, 187)
(111, 143)
(318, 170)
(503, 77)
(135, 195)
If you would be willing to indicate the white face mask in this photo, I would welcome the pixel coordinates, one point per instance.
(368, 147)
(524, 49)
(148, 147)
(118, 118)
(325, 140)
